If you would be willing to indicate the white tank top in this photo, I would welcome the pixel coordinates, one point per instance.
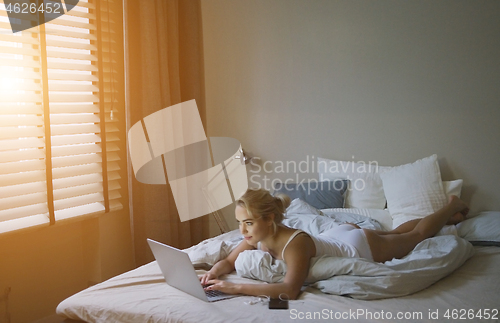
(326, 245)
(290, 239)
(333, 247)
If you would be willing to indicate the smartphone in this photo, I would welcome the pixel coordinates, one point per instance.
(278, 304)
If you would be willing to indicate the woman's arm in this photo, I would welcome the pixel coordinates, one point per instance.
(298, 255)
(225, 266)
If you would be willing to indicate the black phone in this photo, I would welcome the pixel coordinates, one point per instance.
(278, 304)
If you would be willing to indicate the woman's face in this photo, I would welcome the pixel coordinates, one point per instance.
(253, 229)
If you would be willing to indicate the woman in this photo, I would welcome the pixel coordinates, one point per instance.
(260, 214)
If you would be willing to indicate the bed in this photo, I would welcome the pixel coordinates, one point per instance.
(451, 277)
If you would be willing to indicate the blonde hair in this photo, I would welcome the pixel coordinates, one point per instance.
(260, 203)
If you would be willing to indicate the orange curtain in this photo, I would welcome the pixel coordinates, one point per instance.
(164, 67)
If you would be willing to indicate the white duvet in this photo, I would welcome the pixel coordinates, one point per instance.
(430, 261)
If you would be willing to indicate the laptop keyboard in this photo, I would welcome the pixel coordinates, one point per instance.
(214, 293)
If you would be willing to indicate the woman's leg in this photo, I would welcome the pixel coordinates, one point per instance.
(403, 228)
(410, 225)
(399, 242)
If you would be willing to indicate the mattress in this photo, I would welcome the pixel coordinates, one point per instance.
(142, 295)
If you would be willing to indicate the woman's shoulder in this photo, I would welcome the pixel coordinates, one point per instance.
(300, 245)
(300, 235)
(289, 231)
(299, 238)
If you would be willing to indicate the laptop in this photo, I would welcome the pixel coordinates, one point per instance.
(179, 272)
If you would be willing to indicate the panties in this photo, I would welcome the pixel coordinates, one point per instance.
(348, 235)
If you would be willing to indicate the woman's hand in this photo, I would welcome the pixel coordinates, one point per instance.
(225, 266)
(223, 286)
(206, 277)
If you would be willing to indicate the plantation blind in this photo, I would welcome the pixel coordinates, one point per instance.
(60, 116)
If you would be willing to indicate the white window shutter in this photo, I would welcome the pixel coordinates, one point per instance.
(60, 117)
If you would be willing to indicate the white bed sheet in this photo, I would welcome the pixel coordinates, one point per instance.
(141, 295)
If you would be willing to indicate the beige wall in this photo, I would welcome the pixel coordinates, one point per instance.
(388, 81)
(41, 267)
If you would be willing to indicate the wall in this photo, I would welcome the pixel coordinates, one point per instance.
(41, 267)
(386, 81)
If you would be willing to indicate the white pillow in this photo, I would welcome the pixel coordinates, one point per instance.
(413, 190)
(299, 206)
(365, 189)
(481, 230)
(453, 187)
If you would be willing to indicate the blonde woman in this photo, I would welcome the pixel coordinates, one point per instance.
(259, 215)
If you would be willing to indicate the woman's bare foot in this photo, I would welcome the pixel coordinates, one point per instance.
(462, 210)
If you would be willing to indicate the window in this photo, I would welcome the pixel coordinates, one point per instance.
(61, 116)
